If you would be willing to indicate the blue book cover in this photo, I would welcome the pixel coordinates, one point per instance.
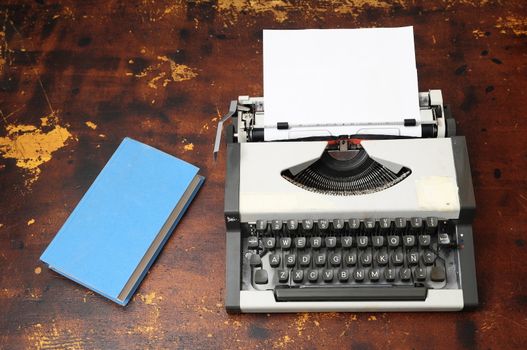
(113, 236)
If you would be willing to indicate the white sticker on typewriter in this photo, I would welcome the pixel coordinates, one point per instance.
(438, 193)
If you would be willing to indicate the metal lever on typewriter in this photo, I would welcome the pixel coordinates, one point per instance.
(232, 109)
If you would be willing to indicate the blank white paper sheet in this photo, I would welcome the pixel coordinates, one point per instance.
(331, 82)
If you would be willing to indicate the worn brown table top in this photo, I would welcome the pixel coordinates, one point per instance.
(77, 78)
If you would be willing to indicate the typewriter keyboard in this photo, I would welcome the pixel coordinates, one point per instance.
(349, 253)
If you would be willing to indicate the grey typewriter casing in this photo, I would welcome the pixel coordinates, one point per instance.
(256, 190)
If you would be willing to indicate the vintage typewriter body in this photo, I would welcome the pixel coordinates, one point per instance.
(352, 223)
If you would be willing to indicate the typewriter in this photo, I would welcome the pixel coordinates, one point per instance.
(350, 223)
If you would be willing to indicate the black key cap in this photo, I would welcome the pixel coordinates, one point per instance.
(269, 242)
(416, 224)
(438, 274)
(327, 275)
(292, 225)
(405, 274)
(358, 275)
(377, 241)
(276, 225)
(255, 260)
(431, 225)
(261, 225)
(283, 276)
(369, 224)
(305, 259)
(374, 275)
(252, 242)
(331, 242)
(300, 242)
(335, 259)
(338, 224)
(307, 225)
(323, 224)
(424, 240)
(312, 275)
(429, 257)
(420, 273)
(260, 276)
(350, 258)
(389, 274)
(409, 240)
(274, 260)
(343, 275)
(315, 242)
(366, 258)
(298, 276)
(362, 241)
(393, 241)
(413, 258)
(400, 224)
(285, 242)
(290, 260)
(397, 257)
(354, 224)
(385, 224)
(382, 258)
(346, 241)
(320, 259)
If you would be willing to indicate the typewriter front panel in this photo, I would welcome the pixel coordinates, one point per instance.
(429, 190)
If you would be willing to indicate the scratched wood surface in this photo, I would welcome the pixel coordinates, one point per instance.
(75, 78)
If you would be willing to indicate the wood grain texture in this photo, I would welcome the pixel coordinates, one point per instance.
(161, 72)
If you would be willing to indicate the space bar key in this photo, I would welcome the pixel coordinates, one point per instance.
(350, 294)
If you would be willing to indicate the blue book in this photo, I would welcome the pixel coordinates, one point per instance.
(113, 236)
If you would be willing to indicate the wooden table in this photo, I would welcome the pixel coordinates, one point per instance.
(77, 78)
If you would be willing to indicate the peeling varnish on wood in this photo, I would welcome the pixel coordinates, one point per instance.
(85, 297)
(301, 323)
(478, 33)
(278, 8)
(31, 146)
(150, 327)
(149, 298)
(153, 13)
(356, 7)
(283, 342)
(91, 125)
(281, 9)
(66, 13)
(187, 146)
(166, 71)
(46, 337)
(516, 25)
